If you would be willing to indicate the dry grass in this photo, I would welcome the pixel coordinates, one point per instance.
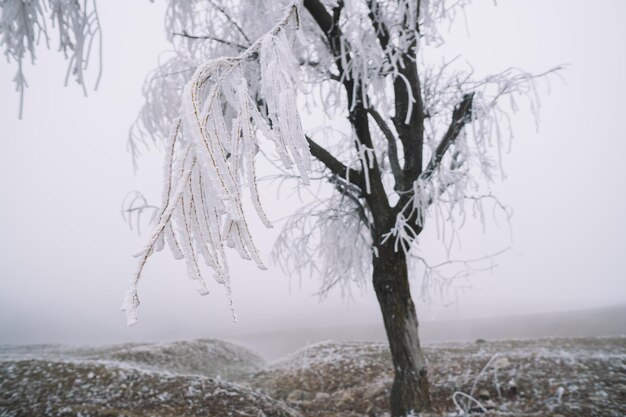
(545, 377)
(343, 379)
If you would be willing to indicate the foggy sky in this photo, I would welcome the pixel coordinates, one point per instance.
(66, 255)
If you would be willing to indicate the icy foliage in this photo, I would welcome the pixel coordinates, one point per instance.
(24, 23)
(454, 186)
(373, 61)
(424, 143)
(199, 31)
(202, 30)
(335, 234)
(210, 158)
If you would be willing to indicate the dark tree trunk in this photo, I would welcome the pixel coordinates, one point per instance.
(410, 386)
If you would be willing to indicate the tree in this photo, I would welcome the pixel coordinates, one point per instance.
(419, 145)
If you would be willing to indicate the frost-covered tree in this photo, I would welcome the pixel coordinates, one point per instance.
(422, 143)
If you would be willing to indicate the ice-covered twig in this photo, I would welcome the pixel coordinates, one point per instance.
(210, 158)
(482, 371)
(464, 409)
(133, 207)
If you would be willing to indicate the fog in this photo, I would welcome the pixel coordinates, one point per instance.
(66, 254)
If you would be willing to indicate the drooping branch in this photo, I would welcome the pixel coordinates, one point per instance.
(213, 147)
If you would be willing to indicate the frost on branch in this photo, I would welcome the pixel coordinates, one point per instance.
(372, 62)
(210, 159)
(455, 182)
(198, 31)
(329, 240)
(466, 120)
(23, 25)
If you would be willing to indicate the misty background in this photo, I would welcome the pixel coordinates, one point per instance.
(66, 254)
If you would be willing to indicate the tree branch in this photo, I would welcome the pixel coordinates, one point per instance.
(392, 147)
(343, 189)
(382, 33)
(334, 165)
(460, 116)
(230, 19)
(329, 24)
(409, 106)
(409, 117)
(212, 38)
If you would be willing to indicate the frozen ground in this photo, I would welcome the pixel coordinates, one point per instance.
(541, 377)
(164, 379)
(544, 377)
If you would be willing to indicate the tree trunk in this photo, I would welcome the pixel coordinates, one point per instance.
(409, 392)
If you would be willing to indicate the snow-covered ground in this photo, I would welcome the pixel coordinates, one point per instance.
(540, 377)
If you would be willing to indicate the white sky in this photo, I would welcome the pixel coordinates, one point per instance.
(65, 253)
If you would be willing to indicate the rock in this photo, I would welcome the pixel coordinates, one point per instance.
(373, 411)
(599, 397)
(489, 405)
(345, 397)
(375, 390)
(501, 362)
(511, 388)
(299, 396)
(322, 396)
(484, 395)
(620, 388)
(480, 341)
